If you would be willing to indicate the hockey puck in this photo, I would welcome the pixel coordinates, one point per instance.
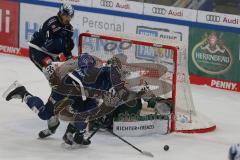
(166, 148)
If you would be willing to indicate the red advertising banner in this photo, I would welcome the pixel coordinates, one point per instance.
(215, 83)
(9, 27)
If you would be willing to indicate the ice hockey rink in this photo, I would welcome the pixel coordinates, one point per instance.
(19, 126)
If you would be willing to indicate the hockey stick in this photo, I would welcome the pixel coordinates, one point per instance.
(149, 154)
(94, 132)
(54, 56)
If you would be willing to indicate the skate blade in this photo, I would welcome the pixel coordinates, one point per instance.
(13, 86)
(73, 146)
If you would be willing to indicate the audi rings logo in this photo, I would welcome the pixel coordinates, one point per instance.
(212, 18)
(106, 3)
(160, 11)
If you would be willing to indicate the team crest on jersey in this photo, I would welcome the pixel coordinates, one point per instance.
(53, 26)
(79, 71)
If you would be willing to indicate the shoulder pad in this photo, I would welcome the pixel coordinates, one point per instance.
(51, 20)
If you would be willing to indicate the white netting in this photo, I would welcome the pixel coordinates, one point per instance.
(151, 59)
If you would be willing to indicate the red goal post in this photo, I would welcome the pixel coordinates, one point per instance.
(171, 80)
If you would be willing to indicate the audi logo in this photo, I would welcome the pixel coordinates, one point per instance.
(160, 11)
(212, 18)
(111, 46)
(106, 3)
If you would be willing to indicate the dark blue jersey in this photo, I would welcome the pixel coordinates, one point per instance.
(96, 78)
(54, 36)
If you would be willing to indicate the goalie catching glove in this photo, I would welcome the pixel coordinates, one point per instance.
(161, 105)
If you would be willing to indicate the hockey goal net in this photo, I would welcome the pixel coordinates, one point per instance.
(160, 64)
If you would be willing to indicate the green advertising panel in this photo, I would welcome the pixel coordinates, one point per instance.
(214, 54)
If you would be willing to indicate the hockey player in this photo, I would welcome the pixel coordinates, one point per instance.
(53, 42)
(76, 129)
(103, 83)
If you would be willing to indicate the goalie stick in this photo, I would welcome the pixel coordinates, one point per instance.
(146, 153)
(149, 154)
(93, 133)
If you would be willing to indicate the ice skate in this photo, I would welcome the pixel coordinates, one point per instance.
(48, 132)
(15, 91)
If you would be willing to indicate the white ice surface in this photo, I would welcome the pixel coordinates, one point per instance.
(19, 126)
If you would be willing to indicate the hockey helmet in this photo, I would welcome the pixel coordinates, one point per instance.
(66, 9)
(86, 61)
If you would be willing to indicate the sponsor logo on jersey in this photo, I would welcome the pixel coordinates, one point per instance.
(53, 26)
(126, 128)
(135, 125)
(211, 55)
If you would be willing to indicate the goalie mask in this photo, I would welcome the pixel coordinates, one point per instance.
(114, 61)
(86, 61)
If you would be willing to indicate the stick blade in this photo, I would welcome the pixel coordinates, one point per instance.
(149, 154)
